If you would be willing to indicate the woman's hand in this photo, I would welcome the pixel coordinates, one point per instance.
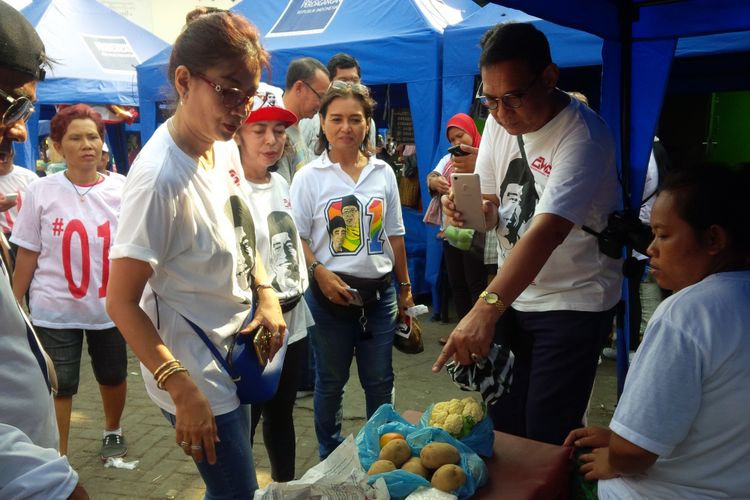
(588, 437)
(333, 287)
(268, 314)
(597, 466)
(195, 426)
(472, 337)
(405, 299)
(465, 164)
(438, 183)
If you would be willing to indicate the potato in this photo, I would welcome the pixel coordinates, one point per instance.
(414, 465)
(397, 451)
(380, 466)
(436, 454)
(449, 477)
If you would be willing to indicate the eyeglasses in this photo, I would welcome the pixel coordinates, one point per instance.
(320, 96)
(231, 97)
(19, 109)
(512, 100)
(355, 87)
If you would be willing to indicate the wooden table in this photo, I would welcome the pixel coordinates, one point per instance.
(523, 469)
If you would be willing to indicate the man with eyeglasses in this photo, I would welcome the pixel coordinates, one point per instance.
(552, 301)
(30, 465)
(306, 83)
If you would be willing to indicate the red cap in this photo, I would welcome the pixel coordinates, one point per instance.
(272, 114)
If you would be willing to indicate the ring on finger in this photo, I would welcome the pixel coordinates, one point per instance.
(184, 444)
(475, 357)
(276, 334)
(196, 447)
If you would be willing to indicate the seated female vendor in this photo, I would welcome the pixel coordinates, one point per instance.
(682, 426)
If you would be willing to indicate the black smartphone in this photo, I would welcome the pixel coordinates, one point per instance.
(356, 297)
(457, 151)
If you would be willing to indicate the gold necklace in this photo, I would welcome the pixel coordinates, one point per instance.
(82, 196)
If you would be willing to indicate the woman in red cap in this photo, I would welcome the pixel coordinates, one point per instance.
(467, 274)
(261, 143)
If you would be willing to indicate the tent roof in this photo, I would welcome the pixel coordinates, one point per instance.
(570, 47)
(393, 40)
(95, 52)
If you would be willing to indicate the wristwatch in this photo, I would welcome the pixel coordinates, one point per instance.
(492, 299)
(312, 267)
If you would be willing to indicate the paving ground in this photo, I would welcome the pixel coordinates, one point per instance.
(164, 471)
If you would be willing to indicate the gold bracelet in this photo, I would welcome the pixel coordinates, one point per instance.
(163, 379)
(164, 366)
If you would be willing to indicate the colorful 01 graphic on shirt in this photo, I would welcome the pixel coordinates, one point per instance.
(348, 231)
(76, 228)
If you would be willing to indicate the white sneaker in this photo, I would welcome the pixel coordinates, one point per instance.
(611, 353)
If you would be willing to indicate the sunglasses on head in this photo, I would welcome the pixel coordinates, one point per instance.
(357, 88)
(19, 109)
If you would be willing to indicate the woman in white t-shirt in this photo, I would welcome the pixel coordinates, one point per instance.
(64, 231)
(180, 254)
(348, 186)
(681, 429)
(261, 143)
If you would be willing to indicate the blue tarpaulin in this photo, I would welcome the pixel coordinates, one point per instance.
(95, 51)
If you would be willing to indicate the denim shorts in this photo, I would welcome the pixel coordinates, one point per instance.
(107, 350)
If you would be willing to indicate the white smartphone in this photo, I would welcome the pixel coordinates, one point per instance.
(11, 197)
(467, 196)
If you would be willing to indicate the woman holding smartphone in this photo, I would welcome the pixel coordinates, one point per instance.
(347, 186)
(467, 274)
(181, 254)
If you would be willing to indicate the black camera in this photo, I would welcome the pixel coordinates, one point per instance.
(623, 228)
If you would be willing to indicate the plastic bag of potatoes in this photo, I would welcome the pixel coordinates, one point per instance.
(424, 457)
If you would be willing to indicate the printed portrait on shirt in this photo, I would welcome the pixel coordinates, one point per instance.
(348, 209)
(284, 257)
(244, 230)
(518, 199)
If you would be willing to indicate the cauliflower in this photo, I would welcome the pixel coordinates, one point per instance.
(455, 406)
(437, 419)
(454, 424)
(473, 410)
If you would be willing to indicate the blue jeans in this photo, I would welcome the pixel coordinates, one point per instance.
(233, 474)
(335, 341)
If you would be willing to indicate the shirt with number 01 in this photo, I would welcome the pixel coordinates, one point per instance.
(72, 228)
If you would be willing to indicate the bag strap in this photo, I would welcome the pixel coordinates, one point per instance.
(523, 150)
(210, 345)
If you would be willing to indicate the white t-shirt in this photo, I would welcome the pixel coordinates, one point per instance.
(178, 217)
(571, 174)
(687, 396)
(116, 177)
(278, 242)
(73, 238)
(348, 224)
(14, 181)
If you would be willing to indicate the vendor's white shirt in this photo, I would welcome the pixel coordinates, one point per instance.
(317, 193)
(16, 182)
(281, 250)
(572, 174)
(687, 396)
(178, 217)
(73, 238)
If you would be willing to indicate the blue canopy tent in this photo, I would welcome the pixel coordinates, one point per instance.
(95, 51)
(640, 42)
(395, 41)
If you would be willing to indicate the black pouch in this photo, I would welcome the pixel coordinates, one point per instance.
(370, 289)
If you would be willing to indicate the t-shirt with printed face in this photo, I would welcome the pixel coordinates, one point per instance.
(570, 173)
(348, 223)
(72, 228)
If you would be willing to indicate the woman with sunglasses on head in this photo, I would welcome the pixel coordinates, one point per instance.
(179, 252)
(261, 142)
(64, 232)
(681, 429)
(347, 182)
